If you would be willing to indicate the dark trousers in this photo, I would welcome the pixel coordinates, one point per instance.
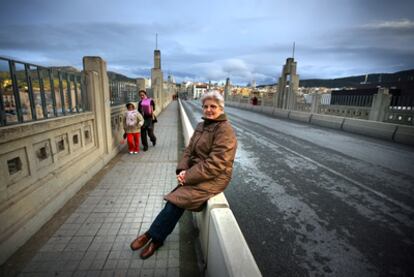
(150, 131)
(165, 222)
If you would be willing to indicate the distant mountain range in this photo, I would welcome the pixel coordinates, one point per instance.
(376, 79)
(65, 68)
(118, 77)
(111, 75)
(402, 81)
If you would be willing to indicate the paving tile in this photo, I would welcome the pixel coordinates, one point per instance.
(173, 272)
(147, 273)
(97, 264)
(149, 263)
(123, 264)
(93, 273)
(174, 262)
(110, 264)
(120, 273)
(160, 272)
(80, 274)
(107, 273)
(161, 263)
(70, 265)
(85, 264)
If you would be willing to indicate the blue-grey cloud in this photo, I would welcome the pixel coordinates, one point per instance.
(243, 40)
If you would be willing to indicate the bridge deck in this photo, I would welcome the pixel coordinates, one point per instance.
(90, 236)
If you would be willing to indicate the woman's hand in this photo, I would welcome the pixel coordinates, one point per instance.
(181, 177)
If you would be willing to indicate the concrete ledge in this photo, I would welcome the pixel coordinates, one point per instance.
(29, 129)
(404, 134)
(257, 109)
(334, 122)
(281, 113)
(187, 129)
(202, 220)
(228, 252)
(369, 128)
(245, 106)
(267, 110)
(300, 116)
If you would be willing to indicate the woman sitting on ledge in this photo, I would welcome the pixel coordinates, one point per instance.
(204, 171)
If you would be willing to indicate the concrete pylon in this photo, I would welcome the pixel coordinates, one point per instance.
(380, 104)
(227, 89)
(287, 87)
(140, 84)
(157, 80)
(99, 97)
(316, 101)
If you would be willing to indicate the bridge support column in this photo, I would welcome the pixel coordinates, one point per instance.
(157, 81)
(380, 104)
(287, 87)
(316, 101)
(140, 84)
(98, 93)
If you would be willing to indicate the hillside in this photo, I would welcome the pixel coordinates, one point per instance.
(118, 77)
(65, 68)
(398, 79)
(384, 79)
(111, 75)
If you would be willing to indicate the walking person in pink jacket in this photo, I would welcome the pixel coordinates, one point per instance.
(146, 107)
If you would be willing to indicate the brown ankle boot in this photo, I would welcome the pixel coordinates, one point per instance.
(140, 241)
(150, 249)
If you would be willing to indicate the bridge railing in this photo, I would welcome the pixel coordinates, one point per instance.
(267, 101)
(30, 92)
(352, 100)
(304, 107)
(400, 110)
(122, 91)
(360, 112)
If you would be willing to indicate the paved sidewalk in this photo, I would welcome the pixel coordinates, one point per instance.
(94, 240)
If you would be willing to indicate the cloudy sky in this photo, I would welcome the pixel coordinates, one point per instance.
(211, 40)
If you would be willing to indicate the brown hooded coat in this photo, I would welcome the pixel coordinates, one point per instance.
(208, 162)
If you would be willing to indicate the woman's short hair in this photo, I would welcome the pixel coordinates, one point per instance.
(143, 91)
(215, 95)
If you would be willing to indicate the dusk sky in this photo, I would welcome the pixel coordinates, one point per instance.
(213, 40)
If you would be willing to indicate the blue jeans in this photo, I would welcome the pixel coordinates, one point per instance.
(165, 222)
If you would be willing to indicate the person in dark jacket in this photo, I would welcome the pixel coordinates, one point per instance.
(146, 107)
(254, 100)
(204, 171)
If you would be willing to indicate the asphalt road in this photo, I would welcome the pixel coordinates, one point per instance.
(320, 202)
